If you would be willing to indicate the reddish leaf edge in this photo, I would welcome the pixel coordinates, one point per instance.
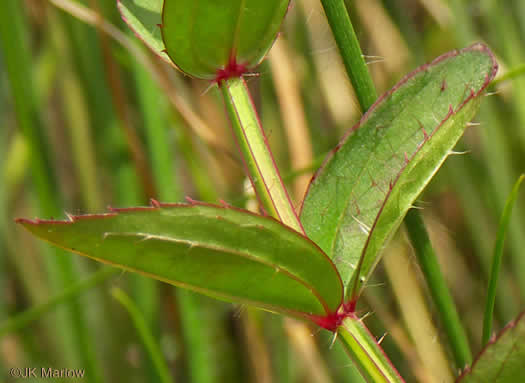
(331, 321)
(354, 294)
(230, 69)
(488, 78)
(354, 291)
(496, 337)
(139, 36)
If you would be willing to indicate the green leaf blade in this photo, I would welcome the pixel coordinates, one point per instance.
(497, 259)
(501, 361)
(258, 28)
(204, 37)
(366, 186)
(226, 253)
(144, 17)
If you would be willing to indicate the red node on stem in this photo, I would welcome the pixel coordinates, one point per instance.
(332, 321)
(233, 69)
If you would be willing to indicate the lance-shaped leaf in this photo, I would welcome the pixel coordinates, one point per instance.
(212, 39)
(223, 252)
(502, 360)
(367, 184)
(144, 17)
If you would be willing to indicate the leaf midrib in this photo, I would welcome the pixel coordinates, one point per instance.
(232, 252)
(340, 219)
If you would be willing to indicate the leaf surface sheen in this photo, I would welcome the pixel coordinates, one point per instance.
(203, 37)
(502, 360)
(367, 184)
(226, 253)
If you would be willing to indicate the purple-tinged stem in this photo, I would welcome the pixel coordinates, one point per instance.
(256, 153)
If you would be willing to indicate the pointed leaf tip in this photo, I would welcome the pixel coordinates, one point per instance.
(227, 253)
(365, 187)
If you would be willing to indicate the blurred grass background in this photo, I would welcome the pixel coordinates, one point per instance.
(89, 118)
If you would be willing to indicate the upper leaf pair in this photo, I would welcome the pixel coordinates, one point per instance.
(207, 39)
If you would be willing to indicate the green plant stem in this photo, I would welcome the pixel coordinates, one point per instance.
(24, 319)
(509, 75)
(370, 358)
(256, 153)
(348, 45)
(77, 114)
(496, 260)
(145, 334)
(438, 288)
(17, 58)
(359, 343)
(3, 222)
(359, 75)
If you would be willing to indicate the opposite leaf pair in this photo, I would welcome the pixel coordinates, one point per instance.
(354, 204)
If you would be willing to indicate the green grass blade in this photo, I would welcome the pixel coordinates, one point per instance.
(363, 191)
(152, 347)
(497, 258)
(503, 28)
(350, 50)
(77, 114)
(498, 159)
(512, 73)
(88, 62)
(17, 60)
(24, 319)
(158, 137)
(211, 353)
(222, 252)
(15, 43)
(3, 216)
(438, 288)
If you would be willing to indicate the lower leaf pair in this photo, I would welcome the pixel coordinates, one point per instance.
(223, 252)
